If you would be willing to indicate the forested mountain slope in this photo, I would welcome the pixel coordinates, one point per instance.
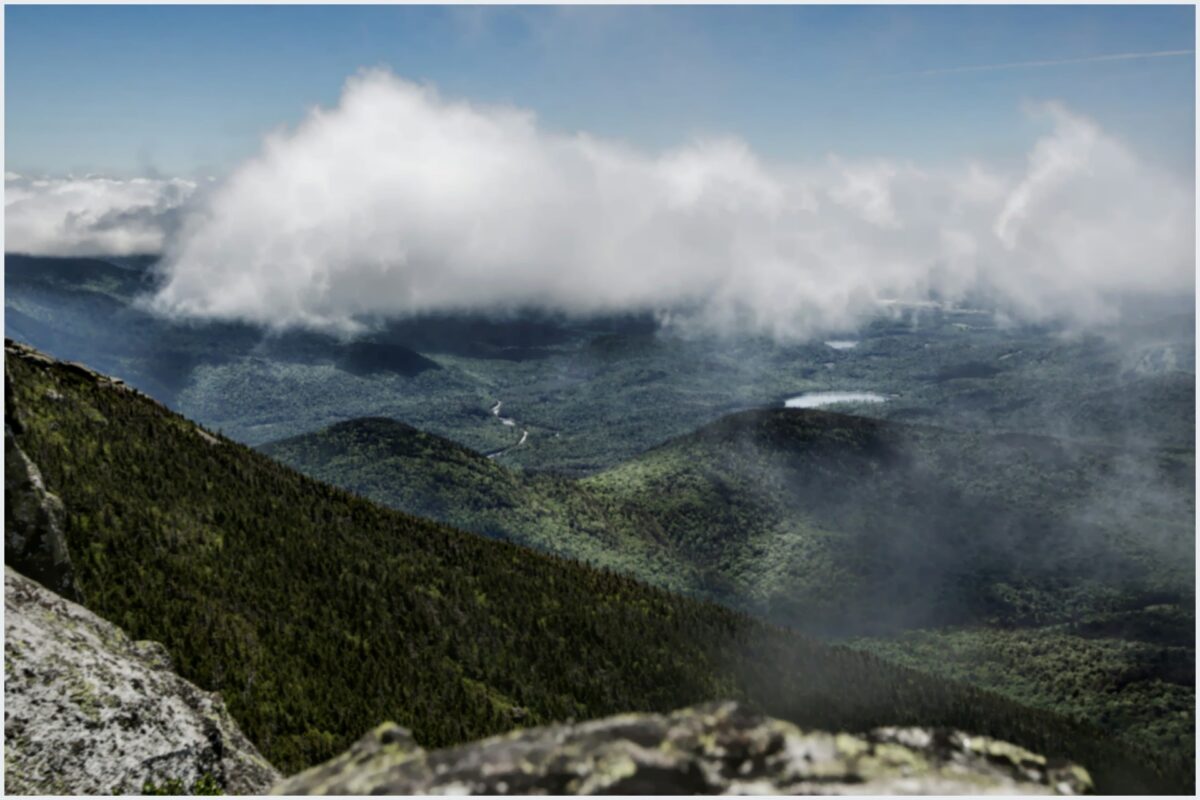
(1064, 569)
(864, 524)
(821, 520)
(317, 614)
(427, 475)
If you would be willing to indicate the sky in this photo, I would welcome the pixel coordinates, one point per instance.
(189, 91)
(776, 170)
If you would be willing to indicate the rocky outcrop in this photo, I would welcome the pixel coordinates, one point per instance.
(87, 710)
(14, 349)
(34, 541)
(713, 749)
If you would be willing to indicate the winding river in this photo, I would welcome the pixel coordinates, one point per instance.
(510, 422)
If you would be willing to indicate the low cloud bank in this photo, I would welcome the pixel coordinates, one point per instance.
(399, 201)
(90, 215)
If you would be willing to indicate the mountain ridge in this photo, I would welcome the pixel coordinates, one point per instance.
(816, 519)
(317, 614)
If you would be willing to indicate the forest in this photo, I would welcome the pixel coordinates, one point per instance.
(317, 613)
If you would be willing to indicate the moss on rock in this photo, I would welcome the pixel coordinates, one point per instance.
(719, 748)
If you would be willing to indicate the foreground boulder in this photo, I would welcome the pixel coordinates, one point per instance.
(88, 711)
(712, 749)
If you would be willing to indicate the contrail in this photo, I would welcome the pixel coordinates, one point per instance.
(1047, 63)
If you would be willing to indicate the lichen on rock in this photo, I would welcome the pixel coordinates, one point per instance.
(89, 711)
(719, 748)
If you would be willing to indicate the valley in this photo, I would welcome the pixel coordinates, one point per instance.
(312, 610)
(634, 400)
(593, 392)
(1018, 497)
(835, 525)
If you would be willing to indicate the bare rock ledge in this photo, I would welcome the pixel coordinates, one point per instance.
(711, 749)
(89, 711)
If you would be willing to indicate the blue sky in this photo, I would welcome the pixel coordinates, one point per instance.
(190, 90)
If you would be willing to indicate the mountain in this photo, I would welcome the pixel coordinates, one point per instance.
(819, 519)
(1069, 564)
(920, 525)
(317, 614)
(424, 474)
(88, 309)
(85, 309)
(590, 393)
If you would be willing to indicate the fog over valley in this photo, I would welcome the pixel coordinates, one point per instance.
(630, 400)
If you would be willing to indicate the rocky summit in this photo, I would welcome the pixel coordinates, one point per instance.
(89, 711)
(710, 749)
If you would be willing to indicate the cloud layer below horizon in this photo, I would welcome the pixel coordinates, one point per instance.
(92, 215)
(398, 201)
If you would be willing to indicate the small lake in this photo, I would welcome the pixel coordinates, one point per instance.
(842, 344)
(819, 399)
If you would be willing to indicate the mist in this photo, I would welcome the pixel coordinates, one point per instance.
(400, 202)
(91, 215)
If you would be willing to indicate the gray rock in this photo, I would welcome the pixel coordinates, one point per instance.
(34, 541)
(713, 749)
(88, 711)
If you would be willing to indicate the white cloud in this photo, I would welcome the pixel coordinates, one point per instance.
(1087, 213)
(399, 201)
(90, 215)
(866, 188)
